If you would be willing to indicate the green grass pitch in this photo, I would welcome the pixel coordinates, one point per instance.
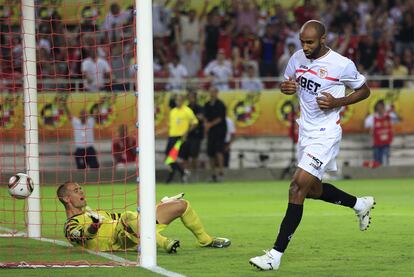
(327, 242)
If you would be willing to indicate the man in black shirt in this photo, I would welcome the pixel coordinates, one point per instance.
(216, 128)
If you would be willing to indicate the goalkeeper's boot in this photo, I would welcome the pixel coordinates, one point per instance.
(171, 245)
(219, 243)
(364, 214)
(265, 262)
(166, 199)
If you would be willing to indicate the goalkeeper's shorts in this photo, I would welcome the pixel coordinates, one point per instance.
(127, 232)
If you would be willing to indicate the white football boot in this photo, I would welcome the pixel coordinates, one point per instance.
(265, 262)
(364, 214)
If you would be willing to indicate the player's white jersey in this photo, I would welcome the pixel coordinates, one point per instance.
(330, 73)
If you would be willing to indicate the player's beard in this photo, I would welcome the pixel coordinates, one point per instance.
(315, 53)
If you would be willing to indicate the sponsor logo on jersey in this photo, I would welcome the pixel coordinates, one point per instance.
(316, 163)
(309, 85)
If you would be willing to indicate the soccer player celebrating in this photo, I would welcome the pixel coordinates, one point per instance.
(105, 231)
(319, 76)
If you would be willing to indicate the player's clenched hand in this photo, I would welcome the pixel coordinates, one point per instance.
(289, 87)
(326, 101)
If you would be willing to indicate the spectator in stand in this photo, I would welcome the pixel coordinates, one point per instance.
(211, 35)
(219, 71)
(45, 69)
(225, 39)
(251, 82)
(17, 54)
(305, 12)
(267, 53)
(114, 21)
(284, 59)
(247, 15)
(190, 57)
(120, 56)
(216, 128)
(162, 73)
(85, 153)
(191, 25)
(238, 63)
(189, 53)
(398, 70)
(292, 36)
(408, 58)
(96, 72)
(74, 58)
(89, 15)
(196, 135)
(162, 54)
(178, 74)
(380, 126)
(367, 54)
(161, 18)
(228, 141)
(405, 33)
(246, 41)
(124, 148)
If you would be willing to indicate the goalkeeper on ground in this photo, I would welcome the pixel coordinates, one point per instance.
(105, 231)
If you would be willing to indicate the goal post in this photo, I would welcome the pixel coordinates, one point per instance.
(145, 92)
(31, 114)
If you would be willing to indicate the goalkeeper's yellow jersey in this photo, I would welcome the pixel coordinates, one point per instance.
(112, 235)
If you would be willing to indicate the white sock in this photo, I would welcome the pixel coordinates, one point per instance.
(359, 205)
(276, 254)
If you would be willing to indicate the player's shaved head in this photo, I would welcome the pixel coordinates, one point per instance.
(62, 191)
(312, 37)
(314, 26)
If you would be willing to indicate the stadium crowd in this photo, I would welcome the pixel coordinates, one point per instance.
(219, 44)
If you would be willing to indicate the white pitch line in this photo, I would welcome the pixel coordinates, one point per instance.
(163, 271)
(155, 269)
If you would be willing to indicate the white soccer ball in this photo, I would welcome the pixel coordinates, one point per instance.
(20, 186)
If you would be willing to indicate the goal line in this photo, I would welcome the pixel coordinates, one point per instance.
(114, 259)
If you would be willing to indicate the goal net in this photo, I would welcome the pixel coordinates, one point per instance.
(77, 70)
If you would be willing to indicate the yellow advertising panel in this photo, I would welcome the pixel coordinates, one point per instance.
(266, 114)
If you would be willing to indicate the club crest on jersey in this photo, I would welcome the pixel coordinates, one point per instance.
(322, 73)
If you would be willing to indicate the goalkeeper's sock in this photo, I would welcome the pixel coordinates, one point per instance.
(191, 220)
(288, 226)
(334, 195)
(161, 240)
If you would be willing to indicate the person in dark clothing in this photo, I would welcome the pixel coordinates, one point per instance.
(212, 33)
(267, 53)
(195, 136)
(216, 128)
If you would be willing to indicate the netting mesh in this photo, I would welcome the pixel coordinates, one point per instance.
(86, 117)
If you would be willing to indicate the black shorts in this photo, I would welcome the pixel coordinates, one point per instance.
(190, 148)
(215, 144)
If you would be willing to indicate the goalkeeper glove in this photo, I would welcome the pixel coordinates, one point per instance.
(95, 216)
(166, 199)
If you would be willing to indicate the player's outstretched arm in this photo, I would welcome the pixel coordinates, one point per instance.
(327, 101)
(289, 87)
